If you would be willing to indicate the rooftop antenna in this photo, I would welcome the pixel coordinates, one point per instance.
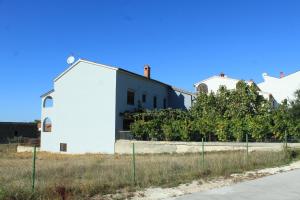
(70, 60)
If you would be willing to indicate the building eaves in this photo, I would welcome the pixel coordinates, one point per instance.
(156, 81)
(290, 75)
(276, 78)
(195, 84)
(16, 123)
(143, 77)
(114, 68)
(47, 93)
(226, 77)
(85, 61)
(183, 91)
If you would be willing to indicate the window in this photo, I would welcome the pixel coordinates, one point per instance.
(144, 97)
(126, 124)
(154, 102)
(202, 88)
(48, 102)
(63, 147)
(165, 103)
(47, 125)
(130, 97)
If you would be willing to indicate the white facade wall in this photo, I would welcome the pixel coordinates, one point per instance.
(215, 82)
(83, 115)
(281, 88)
(88, 100)
(47, 138)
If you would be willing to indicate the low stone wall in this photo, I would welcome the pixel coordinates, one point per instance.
(143, 147)
(26, 149)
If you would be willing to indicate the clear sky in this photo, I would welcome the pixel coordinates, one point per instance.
(183, 41)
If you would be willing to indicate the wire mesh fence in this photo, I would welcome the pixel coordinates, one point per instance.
(43, 175)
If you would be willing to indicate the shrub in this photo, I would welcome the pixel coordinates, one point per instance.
(227, 115)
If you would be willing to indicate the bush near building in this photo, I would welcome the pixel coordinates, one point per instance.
(227, 115)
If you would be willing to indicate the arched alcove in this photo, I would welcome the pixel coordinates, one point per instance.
(48, 102)
(202, 88)
(47, 125)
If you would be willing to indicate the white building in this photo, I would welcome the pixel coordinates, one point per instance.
(214, 83)
(281, 88)
(84, 111)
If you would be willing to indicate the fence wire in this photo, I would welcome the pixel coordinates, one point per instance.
(65, 175)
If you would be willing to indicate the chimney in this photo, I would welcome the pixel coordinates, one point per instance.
(147, 71)
(222, 74)
(281, 74)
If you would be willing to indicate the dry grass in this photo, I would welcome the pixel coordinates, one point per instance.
(83, 176)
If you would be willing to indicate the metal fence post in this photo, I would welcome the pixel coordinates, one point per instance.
(33, 168)
(133, 164)
(202, 153)
(285, 139)
(247, 146)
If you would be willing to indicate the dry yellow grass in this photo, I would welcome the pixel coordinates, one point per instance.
(83, 176)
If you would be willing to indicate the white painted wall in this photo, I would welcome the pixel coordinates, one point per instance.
(281, 88)
(48, 139)
(215, 82)
(88, 99)
(84, 110)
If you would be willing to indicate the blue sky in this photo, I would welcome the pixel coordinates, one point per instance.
(183, 41)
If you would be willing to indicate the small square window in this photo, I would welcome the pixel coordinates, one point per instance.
(63, 147)
(130, 97)
(144, 97)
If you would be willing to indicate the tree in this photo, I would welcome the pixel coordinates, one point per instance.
(226, 115)
(204, 113)
(281, 121)
(295, 115)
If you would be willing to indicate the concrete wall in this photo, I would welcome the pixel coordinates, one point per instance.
(26, 149)
(125, 146)
(83, 112)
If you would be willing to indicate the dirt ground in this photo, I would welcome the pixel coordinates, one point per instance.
(158, 193)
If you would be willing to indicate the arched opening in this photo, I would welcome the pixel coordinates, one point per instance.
(47, 125)
(48, 102)
(202, 88)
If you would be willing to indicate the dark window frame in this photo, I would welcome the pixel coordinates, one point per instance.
(144, 98)
(127, 123)
(154, 101)
(130, 97)
(165, 103)
(63, 147)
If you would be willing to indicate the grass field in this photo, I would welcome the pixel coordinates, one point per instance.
(83, 176)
